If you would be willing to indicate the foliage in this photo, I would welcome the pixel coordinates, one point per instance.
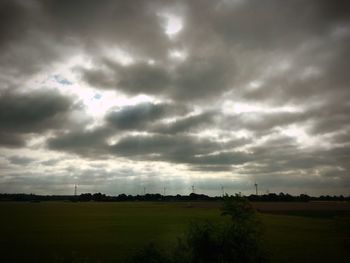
(150, 254)
(238, 240)
(239, 209)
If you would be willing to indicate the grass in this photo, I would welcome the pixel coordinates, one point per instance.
(109, 232)
(304, 239)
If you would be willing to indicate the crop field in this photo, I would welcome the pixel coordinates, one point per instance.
(109, 232)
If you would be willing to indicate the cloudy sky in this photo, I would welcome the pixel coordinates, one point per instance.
(115, 96)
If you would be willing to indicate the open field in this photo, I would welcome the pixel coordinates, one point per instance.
(108, 232)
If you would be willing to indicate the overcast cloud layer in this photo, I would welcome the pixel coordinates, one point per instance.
(115, 96)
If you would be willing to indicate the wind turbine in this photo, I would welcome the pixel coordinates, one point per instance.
(75, 190)
(256, 188)
(193, 188)
(223, 191)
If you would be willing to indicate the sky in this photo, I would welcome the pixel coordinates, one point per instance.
(121, 96)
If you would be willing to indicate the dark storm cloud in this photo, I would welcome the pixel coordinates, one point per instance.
(297, 51)
(36, 112)
(32, 112)
(342, 138)
(218, 37)
(204, 75)
(315, 73)
(132, 24)
(13, 18)
(140, 116)
(200, 76)
(35, 34)
(265, 24)
(179, 149)
(26, 42)
(134, 79)
(331, 118)
(90, 143)
(186, 124)
(11, 140)
(238, 41)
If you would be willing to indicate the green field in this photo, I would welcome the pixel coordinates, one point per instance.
(109, 232)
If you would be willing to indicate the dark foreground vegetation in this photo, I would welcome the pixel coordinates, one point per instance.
(191, 231)
(272, 197)
(236, 240)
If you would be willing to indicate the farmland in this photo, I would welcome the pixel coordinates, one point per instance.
(109, 232)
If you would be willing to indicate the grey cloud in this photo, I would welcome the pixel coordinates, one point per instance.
(222, 54)
(342, 138)
(11, 14)
(20, 160)
(268, 24)
(140, 116)
(35, 34)
(143, 78)
(212, 168)
(223, 161)
(50, 162)
(36, 112)
(186, 124)
(200, 76)
(330, 118)
(32, 112)
(107, 21)
(11, 140)
(283, 155)
(178, 149)
(204, 75)
(133, 79)
(260, 121)
(297, 50)
(90, 143)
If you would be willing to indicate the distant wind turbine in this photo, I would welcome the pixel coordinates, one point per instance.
(223, 191)
(256, 188)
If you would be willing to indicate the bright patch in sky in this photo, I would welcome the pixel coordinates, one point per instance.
(178, 54)
(229, 107)
(118, 55)
(300, 135)
(172, 25)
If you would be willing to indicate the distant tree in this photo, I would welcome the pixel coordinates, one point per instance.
(238, 208)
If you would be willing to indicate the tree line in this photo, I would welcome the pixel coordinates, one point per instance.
(98, 197)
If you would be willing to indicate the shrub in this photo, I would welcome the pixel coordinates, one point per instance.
(150, 254)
